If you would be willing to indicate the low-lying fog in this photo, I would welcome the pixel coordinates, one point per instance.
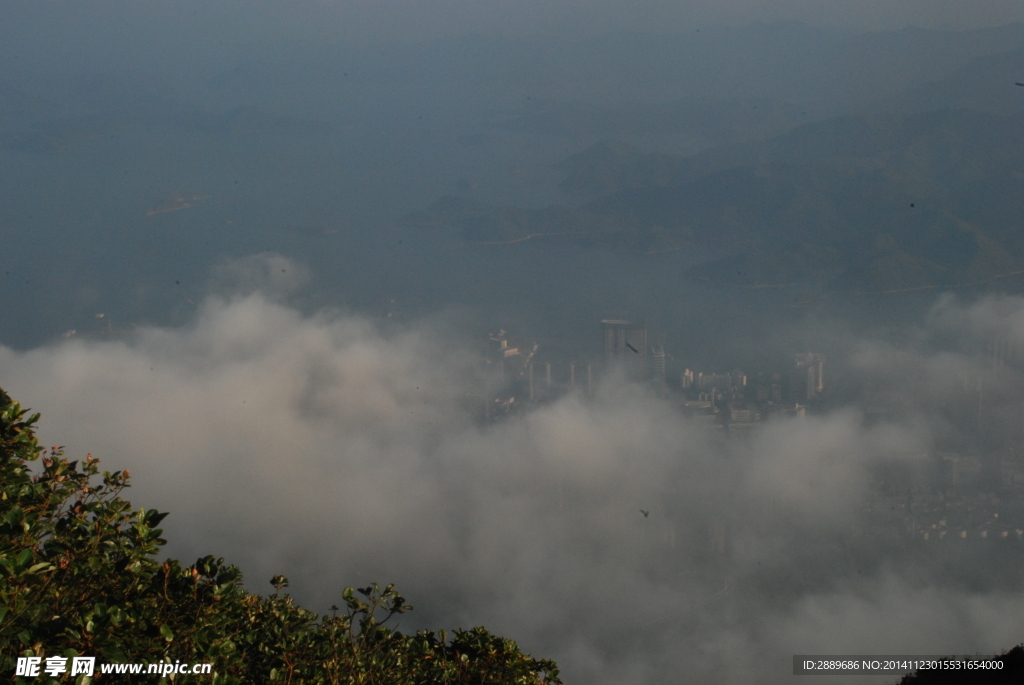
(339, 450)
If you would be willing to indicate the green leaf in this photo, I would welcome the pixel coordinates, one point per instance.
(166, 631)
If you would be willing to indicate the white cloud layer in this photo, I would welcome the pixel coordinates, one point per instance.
(325, 449)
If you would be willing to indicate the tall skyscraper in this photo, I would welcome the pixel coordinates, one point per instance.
(614, 338)
(658, 356)
(625, 343)
(807, 379)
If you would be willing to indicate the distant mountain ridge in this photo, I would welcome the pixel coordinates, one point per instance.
(864, 203)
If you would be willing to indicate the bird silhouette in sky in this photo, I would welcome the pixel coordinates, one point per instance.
(645, 513)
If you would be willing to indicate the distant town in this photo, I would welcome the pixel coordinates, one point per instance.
(965, 490)
(732, 399)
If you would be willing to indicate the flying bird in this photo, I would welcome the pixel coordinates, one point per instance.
(645, 513)
(632, 348)
(1019, 84)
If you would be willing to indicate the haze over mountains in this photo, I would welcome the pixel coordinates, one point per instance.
(855, 203)
(630, 141)
(914, 184)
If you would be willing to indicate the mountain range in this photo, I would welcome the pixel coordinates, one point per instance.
(876, 203)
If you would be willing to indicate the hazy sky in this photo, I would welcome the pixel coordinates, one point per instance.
(185, 34)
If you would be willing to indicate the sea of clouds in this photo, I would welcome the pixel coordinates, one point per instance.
(338, 451)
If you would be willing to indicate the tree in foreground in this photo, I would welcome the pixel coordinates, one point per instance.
(80, 576)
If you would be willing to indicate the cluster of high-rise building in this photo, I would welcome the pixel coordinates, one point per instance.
(971, 492)
(736, 398)
(521, 374)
